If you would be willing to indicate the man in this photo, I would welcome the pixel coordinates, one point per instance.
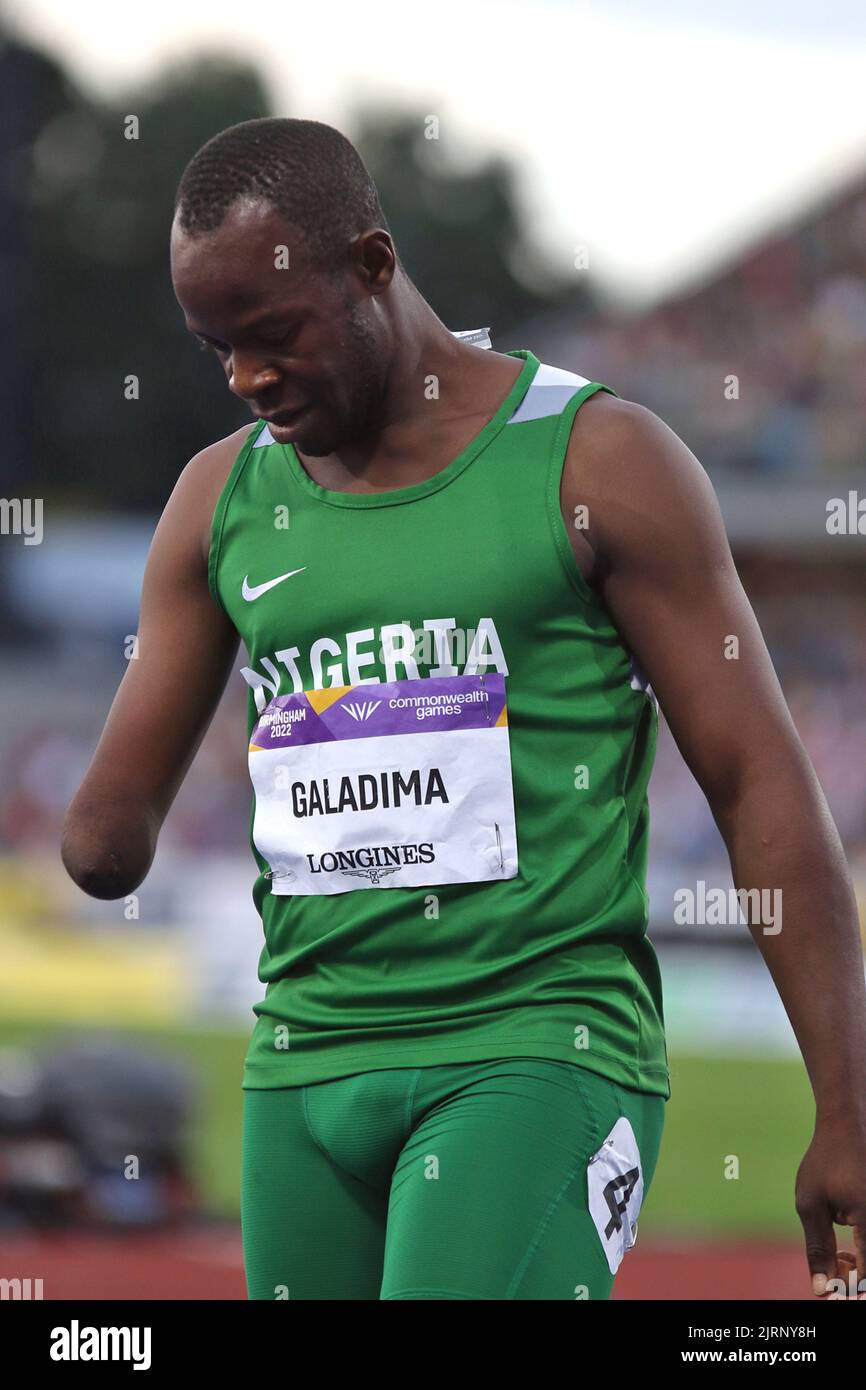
(450, 568)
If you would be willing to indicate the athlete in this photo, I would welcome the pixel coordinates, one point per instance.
(463, 578)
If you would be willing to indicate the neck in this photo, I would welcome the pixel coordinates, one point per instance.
(439, 394)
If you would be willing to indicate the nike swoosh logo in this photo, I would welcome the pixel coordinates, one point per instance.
(251, 591)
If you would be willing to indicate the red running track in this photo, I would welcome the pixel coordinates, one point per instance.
(206, 1264)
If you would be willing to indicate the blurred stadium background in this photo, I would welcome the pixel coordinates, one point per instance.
(123, 1026)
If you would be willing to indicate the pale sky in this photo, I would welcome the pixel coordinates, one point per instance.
(659, 134)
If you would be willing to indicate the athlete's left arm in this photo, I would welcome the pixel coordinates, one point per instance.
(655, 549)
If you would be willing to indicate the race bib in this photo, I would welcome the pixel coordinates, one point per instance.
(615, 1183)
(401, 785)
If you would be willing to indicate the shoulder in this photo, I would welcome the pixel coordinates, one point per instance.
(614, 441)
(637, 479)
(201, 481)
(213, 464)
(622, 451)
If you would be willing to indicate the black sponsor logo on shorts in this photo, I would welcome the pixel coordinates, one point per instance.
(617, 1194)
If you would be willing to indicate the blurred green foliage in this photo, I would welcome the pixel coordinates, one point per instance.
(99, 303)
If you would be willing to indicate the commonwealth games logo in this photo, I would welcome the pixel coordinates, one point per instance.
(363, 711)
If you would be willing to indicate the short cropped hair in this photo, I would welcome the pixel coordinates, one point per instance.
(305, 170)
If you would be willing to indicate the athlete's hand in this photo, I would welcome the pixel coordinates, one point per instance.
(831, 1187)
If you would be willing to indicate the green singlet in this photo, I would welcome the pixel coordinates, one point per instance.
(450, 751)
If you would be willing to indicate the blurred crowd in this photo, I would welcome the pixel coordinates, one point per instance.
(788, 322)
(822, 669)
